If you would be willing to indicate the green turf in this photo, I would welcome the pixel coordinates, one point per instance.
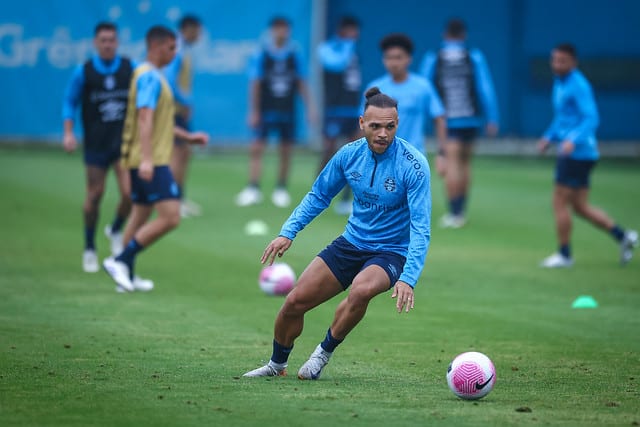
(75, 353)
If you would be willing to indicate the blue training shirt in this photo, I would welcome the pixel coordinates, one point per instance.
(483, 83)
(391, 206)
(73, 93)
(575, 115)
(416, 99)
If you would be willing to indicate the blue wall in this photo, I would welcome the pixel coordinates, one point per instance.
(512, 33)
(42, 40)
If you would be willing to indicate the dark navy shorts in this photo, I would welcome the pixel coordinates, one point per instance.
(180, 121)
(286, 129)
(161, 187)
(464, 135)
(345, 261)
(340, 126)
(574, 173)
(101, 159)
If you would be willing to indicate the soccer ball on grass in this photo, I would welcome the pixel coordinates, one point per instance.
(471, 375)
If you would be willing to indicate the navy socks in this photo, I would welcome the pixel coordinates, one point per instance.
(330, 343)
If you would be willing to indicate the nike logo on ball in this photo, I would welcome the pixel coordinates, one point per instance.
(484, 384)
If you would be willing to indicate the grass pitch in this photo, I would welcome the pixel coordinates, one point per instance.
(75, 353)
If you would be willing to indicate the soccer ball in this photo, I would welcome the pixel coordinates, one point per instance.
(277, 279)
(471, 375)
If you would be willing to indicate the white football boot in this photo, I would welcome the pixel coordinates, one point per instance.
(452, 221)
(249, 196)
(269, 370)
(119, 272)
(556, 260)
(116, 240)
(312, 368)
(139, 284)
(627, 245)
(281, 198)
(90, 261)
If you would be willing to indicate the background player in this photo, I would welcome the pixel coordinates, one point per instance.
(342, 83)
(463, 81)
(384, 244)
(276, 74)
(100, 87)
(146, 151)
(415, 95)
(573, 129)
(179, 75)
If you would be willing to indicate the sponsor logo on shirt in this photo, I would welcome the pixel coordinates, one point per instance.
(414, 163)
(356, 176)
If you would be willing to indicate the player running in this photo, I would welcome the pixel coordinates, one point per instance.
(384, 244)
(146, 150)
(100, 87)
(573, 130)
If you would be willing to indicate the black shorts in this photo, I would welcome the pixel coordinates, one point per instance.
(161, 187)
(340, 126)
(101, 159)
(464, 135)
(345, 261)
(574, 173)
(284, 127)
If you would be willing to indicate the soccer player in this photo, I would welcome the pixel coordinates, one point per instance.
(276, 74)
(573, 131)
(100, 87)
(342, 83)
(416, 97)
(179, 75)
(463, 81)
(146, 151)
(384, 244)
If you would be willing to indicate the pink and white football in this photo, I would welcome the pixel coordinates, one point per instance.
(277, 279)
(471, 375)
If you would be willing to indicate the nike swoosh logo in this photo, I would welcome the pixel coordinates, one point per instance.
(484, 384)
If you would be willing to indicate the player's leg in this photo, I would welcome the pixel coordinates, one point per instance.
(627, 239)
(562, 199)
(114, 230)
(454, 179)
(316, 285)
(280, 196)
(95, 185)
(368, 283)
(465, 186)
(251, 194)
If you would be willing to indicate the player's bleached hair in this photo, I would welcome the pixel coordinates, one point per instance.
(375, 98)
(105, 26)
(158, 33)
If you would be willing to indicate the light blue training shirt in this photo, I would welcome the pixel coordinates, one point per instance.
(391, 206)
(575, 115)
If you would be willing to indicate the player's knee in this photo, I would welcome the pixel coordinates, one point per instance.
(360, 296)
(580, 209)
(94, 196)
(294, 305)
(172, 220)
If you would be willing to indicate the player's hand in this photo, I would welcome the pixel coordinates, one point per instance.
(254, 119)
(441, 164)
(492, 130)
(543, 145)
(145, 170)
(199, 138)
(567, 147)
(404, 294)
(278, 246)
(69, 142)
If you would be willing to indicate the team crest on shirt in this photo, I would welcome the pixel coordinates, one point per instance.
(109, 82)
(390, 184)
